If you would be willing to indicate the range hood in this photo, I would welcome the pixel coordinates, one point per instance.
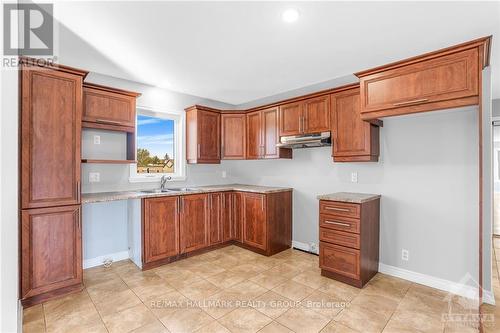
(306, 141)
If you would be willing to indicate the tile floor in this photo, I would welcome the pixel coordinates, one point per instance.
(235, 290)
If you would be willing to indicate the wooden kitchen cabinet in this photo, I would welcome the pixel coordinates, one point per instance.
(51, 113)
(51, 252)
(160, 225)
(232, 216)
(217, 207)
(108, 108)
(308, 116)
(263, 135)
(447, 78)
(354, 140)
(266, 221)
(253, 208)
(349, 240)
(203, 134)
(194, 222)
(233, 136)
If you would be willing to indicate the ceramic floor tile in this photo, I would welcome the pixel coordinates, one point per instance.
(248, 269)
(152, 288)
(268, 279)
(324, 304)
(199, 290)
(303, 320)
(91, 278)
(188, 319)
(117, 302)
(101, 291)
(207, 269)
(34, 326)
(213, 327)
(162, 305)
(335, 327)
(68, 306)
(128, 319)
(311, 279)
(226, 279)
(293, 290)
(221, 303)
(33, 313)
(140, 278)
(339, 290)
(247, 290)
(151, 327)
(75, 319)
(183, 282)
(376, 303)
(420, 302)
(245, 320)
(362, 319)
(285, 270)
(275, 327)
(404, 321)
(272, 304)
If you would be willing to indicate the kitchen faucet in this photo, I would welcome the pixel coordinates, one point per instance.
(163, 181)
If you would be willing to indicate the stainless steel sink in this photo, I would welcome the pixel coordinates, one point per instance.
(174, 189)
(155, 191)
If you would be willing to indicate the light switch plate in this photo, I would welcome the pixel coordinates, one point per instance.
(224, 174)
(97, 139)
(94, 177)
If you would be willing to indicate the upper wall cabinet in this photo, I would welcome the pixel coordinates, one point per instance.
(354, 140)
(307, 116)
(262, 135)
(51, 113)
(203, 135)
(233, 136)
(443, 79)
(108, 108)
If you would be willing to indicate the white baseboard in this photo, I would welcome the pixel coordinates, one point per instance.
(304, 247)
(434, 282)
(98, 261)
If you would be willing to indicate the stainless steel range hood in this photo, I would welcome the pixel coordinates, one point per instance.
(306, 141)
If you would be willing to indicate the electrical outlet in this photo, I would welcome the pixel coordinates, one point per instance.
(354, 177)
(405, 255)
(94, 177)
(224, 174)
(97, 139)
(313, 247)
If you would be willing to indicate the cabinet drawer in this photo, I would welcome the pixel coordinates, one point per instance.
(339, 223)
(339, 237)
(400, 90)
(339, 259)
(339, 208)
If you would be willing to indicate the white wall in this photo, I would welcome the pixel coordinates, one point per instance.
(9, 201)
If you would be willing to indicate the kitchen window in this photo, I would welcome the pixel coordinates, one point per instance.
(159, 147)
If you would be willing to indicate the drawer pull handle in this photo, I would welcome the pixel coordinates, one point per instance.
(108, 122)
(415, 101)
(338, 209)
(338, 223)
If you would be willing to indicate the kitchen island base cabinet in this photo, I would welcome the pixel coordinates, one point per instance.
(349, 240)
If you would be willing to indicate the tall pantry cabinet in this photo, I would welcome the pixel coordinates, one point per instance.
(50, 140)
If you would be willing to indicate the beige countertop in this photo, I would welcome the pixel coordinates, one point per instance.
(349, 197)
(124, 195)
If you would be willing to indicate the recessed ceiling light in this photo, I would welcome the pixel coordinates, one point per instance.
(290, 15)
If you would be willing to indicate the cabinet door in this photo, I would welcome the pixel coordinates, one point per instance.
(317, 115)
(208, 137)
(51, 249)
(160, 228)
(194, 222)
(291, 121)
(51, 138)
(107, 107)
(233, 136)
(270, 133)
(353, 138)
(254, 135)
(254, 220)
(216, 201)
(420, 85)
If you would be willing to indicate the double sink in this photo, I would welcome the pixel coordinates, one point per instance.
(174, 189)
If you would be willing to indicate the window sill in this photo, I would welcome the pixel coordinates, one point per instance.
(155, 179)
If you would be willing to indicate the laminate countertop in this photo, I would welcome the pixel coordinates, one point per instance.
(349, 197)
(124, 195)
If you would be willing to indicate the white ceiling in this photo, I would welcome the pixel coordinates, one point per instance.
(237, 52)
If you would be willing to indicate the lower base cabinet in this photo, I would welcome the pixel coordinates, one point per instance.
(51, 252)
(175, 227)
(349, 240)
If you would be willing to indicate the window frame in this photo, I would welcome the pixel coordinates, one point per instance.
(179, 147)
